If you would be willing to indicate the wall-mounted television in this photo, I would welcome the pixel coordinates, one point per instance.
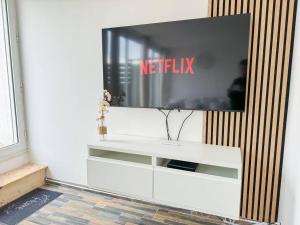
(198, 64)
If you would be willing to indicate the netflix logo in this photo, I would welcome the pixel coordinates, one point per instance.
(184, 65)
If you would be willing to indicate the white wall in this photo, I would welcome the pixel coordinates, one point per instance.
(290, 186)
(61, 57)
(14, 161)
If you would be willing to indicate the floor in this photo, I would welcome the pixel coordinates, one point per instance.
(78, 207)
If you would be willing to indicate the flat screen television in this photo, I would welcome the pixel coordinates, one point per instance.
(198, 64)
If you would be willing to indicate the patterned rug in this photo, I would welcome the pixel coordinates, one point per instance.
(26, 205)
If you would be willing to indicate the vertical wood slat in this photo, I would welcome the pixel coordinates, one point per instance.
(236, 125)
(220, 129)
(259, 131)
(215, 8)
(226, 130)
(215, 128)
(205, 120)
(236, 115)
(209, 119)
(265, 71)
(227, 9)
(214, 114)
(220, 114)
(231, 130)
(239, 7)
(268, 112)
(204, 126)
(252, 66)
(275, 108)
(256, 106)
(232, 7)
(210, 3)
(244, 115)
(221, 5)
(237, 129)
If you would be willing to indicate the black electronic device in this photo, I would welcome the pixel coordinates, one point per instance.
(182, 165)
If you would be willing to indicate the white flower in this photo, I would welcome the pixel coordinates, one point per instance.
(107, 95)
(104, 103)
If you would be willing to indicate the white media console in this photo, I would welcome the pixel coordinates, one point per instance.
(138, 169)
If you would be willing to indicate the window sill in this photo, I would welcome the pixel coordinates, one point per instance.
(9, 153)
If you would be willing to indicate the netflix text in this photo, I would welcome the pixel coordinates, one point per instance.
(184, 65)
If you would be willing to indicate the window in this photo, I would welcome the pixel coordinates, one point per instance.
(12, 132)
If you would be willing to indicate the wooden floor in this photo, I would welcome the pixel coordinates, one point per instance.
(78, 207)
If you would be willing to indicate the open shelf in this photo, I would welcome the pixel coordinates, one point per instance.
(204, 169)
(217, 171)
(128, 157)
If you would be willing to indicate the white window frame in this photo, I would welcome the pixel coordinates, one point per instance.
(10, 19)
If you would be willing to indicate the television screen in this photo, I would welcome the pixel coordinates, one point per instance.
(198, 64)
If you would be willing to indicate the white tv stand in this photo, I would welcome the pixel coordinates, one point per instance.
(137, 168)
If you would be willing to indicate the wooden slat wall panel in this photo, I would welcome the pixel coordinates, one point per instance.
(261, 113)
(260, 130)
(283, 103)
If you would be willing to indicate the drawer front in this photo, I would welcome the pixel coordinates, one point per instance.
(191, 191)
(119, 177)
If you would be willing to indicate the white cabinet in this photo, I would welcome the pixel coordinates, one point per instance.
(122, 177)
(195, 191)
(138, 169)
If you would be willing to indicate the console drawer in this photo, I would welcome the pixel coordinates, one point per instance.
(199, 192)
(120, 177)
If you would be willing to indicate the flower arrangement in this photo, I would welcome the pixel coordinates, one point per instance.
(103, 108)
